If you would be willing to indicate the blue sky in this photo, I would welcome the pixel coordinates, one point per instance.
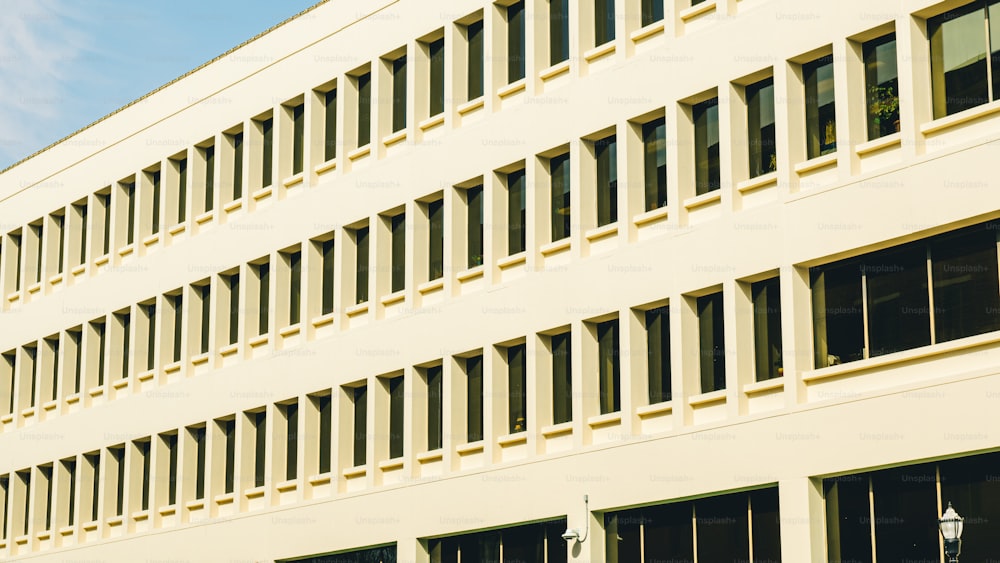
(66, 63)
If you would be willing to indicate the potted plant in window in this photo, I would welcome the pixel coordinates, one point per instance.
(883, 106)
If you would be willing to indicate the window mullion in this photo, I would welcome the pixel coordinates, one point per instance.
(989, 51)
(864, 312)
(930, 295)
(940, 509)
(749, 529)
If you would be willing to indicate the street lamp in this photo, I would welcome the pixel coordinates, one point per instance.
(951, 525)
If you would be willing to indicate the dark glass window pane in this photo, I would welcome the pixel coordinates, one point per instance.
(622, 535)
(209, 202)
(558, 31)
(291, 441)
(105, 203)
(118, 454)
(760, 127)
(966, 300)
(323, 405)
(766, 297)
(263, 296)
(559, 175)
(129, 191)
(881, 86)
(178, 310)
(435, 255)
(364, 109)
(712, 341)
(200, 448)
(562, 378)
(330, 125)
(606, 153)
(658, 354)
(267, 152)
(516, 226)
(474, 199)
(516, 389)
(398, 252)
(848, 519)
(474, 421)
(436, 52)
(434, 408)
(668, 534)
(126, 322)
(395, 417)
(958, 59)
(971, 485)
(143, 448)
(838, 313)
(994, 22)
(474, 86)
(515, 42)
(85, 227)
(259, 421)
(523, 544)
(654, 158)
(652, 11)
(150, 336)
(327, 273)
(171, 444)
(766, 525)
(234, 308)
(898, 307)
(604, 21)
(294, 287)
(155, 220)
(181, 190)
(361, 273)
(399, 93)
(821, 115)
(360, 425)
(706, 146)
(609, 367)
(904, 497)
(723, 534)
(238, 165)
(298, 137)
(229, 434)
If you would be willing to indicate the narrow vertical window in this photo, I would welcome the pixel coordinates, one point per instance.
(436, 53)
(31, 356)
(364, 109)
(712, 343)
(76, 340)
(821, 115)
(101, 330)
(263, 297)
(125, 322)
(142, 448)
(474, 398)
(474, 226)
(558, 31)
(298, 137)
(325, 433)
(4, 496)
(258, 421)
(399, 94)
(205, 296)
(609, 367)
(435, 411)
(435, 242)
(58, 233)
(326, 256)
(658, 354)
(760, 127)
(267, 151)
(294, 287)
(517, 407)
(85, 227)
(234, 308)
(94, 468)
(560, 207)
(398, 257)
(177, 310)
(150, 311)
(104, 201)
(229, 436)
(209, 155)
(45, 472)
(474, 86)
(881, 86)
(361, 267)
(15, 240)
(170, 443)
(182, 182)
(651, 11)
(516, 205)
(198, 435)
(128, 191)
(330, 125)
(69, 470)
(238, 165)
(606, 153)
(53, 383)
(515, 42)
(706, 146)
(604, 21)
(654, 161)
(562, 378)
(766, 296)
(396, 417)
(155, 179)
(360, 440)
(291, 441)
(37, 235)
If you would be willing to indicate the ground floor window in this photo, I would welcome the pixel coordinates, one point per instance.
(536, 543)
(384, 554)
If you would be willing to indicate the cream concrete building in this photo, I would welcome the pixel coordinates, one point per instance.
(405, 281)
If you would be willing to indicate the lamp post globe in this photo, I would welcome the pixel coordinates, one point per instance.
(951, 525)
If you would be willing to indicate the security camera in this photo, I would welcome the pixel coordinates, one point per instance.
(571, 534)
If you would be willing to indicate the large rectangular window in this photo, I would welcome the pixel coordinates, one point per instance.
(435, 410)
(606, 154)
(562, 377)
(516, 217)
(435, 50)
(608, 367)
(517, 406)
(711, 343)
(654, 162)
(399, 94)
(560, 185)
(474, 226)
(821, 114)
(435, 239)
(364, 83)
(359, 396)
(879, 303)
(604, 21)
(515, 42)
(398, 252)
(539, 542)
(766, 296)
(396, 406)
(330, 125)
(558, 31)
(474, 398)
(658, 354)
(760, 127)
(881, 86)
(361, 265)
(707, 169)
(965, 57)
(474, 84)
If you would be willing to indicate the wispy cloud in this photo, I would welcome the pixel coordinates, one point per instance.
(40, 45)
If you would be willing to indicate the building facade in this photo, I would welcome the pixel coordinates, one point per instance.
(408, 281)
